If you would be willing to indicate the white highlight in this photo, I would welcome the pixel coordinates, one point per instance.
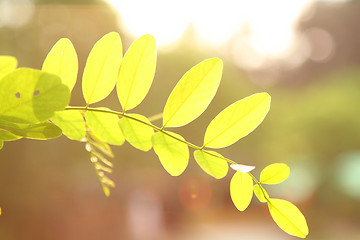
(242, 168)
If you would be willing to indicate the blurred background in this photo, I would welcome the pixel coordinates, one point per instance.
(305, 53)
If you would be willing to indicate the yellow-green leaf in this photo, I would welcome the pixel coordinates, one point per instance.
(288, 217)
(173, 154)
(8, 136)
(105, 127)
(1, 146)
(237, 120)
(62, 61)
(136, 72)
(214, 166)
(31, 96)
(136, 133)
(40, 131)
(241, 190)
(102, 68)
(71, 123)
(7, 65)
(259, 193)
(274, 173)
(193, 93)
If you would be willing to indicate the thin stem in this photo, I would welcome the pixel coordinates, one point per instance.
(150, 125)
(259, 184)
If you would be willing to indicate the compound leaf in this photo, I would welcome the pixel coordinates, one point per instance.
(136, 133)
(71, 123)
(173, 154)
(259, 193)
(62, 61)
(212, 165)
(274, 173)
(136, 72)
(31, 96)
(7, 65)
(241, 190)
(102, 68)
(40, 131)
(288, 217)
(237, 120)
(105, 127)
(193, 93)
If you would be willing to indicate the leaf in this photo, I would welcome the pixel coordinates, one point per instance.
(193, 93)
(71, 123)
(31, 96)
(241, 190)
(8, 136)
(1, 146)
(40, 131)
(102, 67)
(7, 65)
(260, 193)
(288, 217)
(62, 61)
(214, 166)
(173, 154)
(136, 133)
(105, 127)
(136, 72)
(274, 173)
(237, 120)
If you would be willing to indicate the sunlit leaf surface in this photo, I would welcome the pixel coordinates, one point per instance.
(136, 133)
(7, 65)
(173, 154)
(71, 123)
(8, 136)
(212, 165)
(31, 96)
(288, 217)
(1, 146)
(274, 173)
(241, 190)
(136, 72)
(40, 131)
(259, 193)
(105, 126)
(237, 120)
(101, 69)
(62, 61)
(193, 93)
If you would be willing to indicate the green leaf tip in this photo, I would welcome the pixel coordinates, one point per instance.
(136, 72)
(193, 93)
(101, 69)
(237, 120)
(260, 193)
(136, 133)
(105, 127)
(62, 61)
(241, 190)
(173, 154)
(274, 173)
(212, 165)
(288, 217)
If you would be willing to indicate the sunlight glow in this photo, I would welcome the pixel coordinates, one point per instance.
(265, 29)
